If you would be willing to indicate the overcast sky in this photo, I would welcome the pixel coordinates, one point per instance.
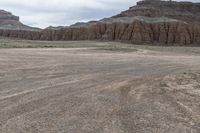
(42, 13)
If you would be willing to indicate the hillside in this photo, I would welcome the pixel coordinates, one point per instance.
(185, 11)
(150, 21)
(10, 22)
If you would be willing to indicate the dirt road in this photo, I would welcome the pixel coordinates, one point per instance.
(91, 91)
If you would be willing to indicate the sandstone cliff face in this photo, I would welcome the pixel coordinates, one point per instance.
(136, 32)
(145, 23)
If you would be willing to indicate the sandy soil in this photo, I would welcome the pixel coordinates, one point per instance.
(91, 91)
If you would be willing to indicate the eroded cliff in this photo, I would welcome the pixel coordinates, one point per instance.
(147, 22)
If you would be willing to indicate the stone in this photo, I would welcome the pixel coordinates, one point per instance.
(149, 22)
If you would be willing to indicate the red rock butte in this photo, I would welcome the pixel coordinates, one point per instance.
(149, 22)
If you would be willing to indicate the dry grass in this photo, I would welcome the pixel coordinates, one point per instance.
(108, 46)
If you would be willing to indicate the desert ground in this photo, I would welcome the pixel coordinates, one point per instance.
(98, 87)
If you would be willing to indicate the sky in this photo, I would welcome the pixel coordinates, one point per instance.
(44, 13)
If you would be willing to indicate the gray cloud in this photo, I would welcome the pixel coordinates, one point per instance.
(64, 12)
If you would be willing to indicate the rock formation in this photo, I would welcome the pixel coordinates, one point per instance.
(186, 11)
(150, 21)
(11, 22)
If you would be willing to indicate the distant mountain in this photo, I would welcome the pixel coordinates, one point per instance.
(185, 11)
(148, 22)
(54, 28)
(155, 11)
(10, 22)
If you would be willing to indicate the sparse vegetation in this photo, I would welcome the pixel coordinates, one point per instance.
(107, 46)
(183, 49)
(15, 43)
(118, 48)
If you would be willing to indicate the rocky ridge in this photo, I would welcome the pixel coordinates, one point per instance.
(10, 22)
(150, 21)
(186, 11)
